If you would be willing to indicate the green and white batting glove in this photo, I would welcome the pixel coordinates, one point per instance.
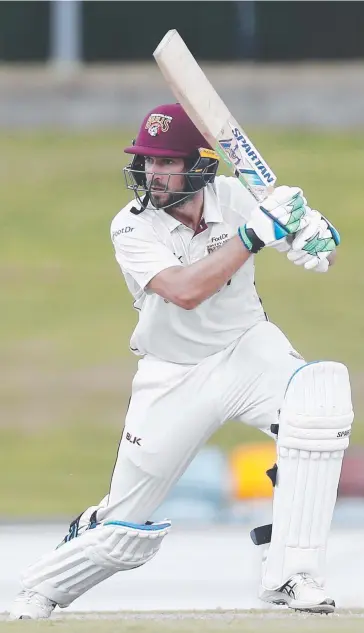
(281, 215)
(313, 245)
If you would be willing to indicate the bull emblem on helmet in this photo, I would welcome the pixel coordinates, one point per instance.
(154, 130)
(157, 123)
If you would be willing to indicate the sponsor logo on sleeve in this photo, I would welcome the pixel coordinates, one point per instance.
(124, 229)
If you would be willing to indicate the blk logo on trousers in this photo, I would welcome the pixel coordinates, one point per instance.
(133, 439)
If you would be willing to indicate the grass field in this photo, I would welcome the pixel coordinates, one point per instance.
(67, 317)
(213, 622)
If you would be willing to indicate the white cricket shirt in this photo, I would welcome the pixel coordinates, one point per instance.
(147, 243)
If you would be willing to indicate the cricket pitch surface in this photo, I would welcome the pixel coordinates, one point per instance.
(203, 580)
(250, 621)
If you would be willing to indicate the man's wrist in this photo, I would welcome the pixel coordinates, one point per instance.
(250, 239)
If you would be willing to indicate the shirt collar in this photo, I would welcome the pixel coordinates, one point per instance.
(211, 210)
(169, 220)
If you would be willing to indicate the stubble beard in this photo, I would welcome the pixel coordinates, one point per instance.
(173, 201)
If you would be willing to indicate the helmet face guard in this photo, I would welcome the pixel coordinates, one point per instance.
(201, 170)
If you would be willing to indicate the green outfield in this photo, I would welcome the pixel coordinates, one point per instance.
(66, 315)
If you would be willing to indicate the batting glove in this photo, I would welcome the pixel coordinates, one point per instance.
(313, 245)
(282, 214)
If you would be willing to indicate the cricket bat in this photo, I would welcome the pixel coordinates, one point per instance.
(211, 116)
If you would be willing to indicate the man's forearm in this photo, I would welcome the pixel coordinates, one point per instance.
(205, 277)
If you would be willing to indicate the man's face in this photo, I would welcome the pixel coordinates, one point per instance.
(162, 174)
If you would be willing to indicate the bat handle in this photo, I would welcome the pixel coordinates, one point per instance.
(261, 194)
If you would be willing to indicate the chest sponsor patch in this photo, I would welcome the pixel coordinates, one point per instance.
(216, 242)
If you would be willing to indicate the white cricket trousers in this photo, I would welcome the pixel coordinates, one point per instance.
(174, 409)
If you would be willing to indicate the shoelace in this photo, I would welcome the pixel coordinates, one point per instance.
(34, 597)
(23, 596)
(308, 580)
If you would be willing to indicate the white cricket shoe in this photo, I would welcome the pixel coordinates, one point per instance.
(30, 605)
(300, 592)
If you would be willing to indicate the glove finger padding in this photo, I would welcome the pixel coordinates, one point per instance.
(309, 262)
(287, 209)
(313, 245)
(281, 215)
(322, 266)
(318, 237)
(313, 227)
(282, 195)
(299, 257)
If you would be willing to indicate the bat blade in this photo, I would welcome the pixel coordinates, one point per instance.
(211, 116)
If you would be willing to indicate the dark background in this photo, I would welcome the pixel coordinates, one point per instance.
(226, 30)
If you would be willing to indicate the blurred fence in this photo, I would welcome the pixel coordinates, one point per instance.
(220, 30)
(305, 95)
(244, 40)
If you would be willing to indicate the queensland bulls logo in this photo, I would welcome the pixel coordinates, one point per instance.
(157, 123)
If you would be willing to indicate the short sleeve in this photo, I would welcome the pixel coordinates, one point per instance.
(233, 193)
(140, 253)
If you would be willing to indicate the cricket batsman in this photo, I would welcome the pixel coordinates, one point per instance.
(186, 246)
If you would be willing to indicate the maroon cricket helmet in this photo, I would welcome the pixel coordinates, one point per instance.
(167, 131)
